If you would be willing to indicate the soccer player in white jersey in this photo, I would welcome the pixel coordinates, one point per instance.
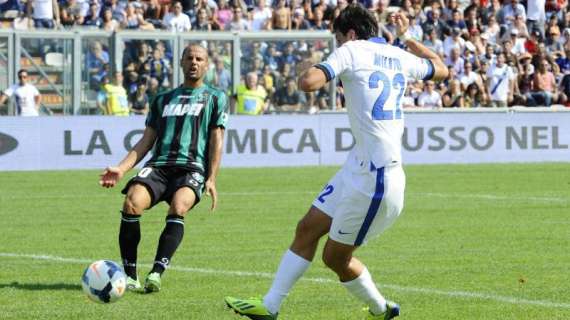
(367, 194)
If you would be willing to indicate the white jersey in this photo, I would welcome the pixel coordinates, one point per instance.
(24, 99)
(374, 75)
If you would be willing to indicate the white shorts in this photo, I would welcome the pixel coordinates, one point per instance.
(362, 201)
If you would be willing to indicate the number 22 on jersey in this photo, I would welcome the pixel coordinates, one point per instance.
(398, 82)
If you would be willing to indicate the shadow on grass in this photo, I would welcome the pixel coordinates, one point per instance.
(40, 286)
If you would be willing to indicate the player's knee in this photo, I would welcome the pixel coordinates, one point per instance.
(335, 261)
(180, 208)
(133, 205)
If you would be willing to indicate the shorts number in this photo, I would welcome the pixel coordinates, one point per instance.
(398, 82)
(145, 172)
(328, 190)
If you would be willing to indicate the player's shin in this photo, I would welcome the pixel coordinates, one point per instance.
(129, 238)
(169, 240)
(290, 270)
(365, 290)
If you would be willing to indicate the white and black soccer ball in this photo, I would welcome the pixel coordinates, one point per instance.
(104, 281)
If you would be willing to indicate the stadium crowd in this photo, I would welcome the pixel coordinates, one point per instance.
(499, 53)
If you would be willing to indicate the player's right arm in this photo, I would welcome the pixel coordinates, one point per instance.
(112, 175)
(440, 69)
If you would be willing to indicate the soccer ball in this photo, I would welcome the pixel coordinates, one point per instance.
(104, 281)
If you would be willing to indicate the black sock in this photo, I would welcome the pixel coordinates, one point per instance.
(129, 237)
(169, 240)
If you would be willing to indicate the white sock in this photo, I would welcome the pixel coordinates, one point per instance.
(365, 290)
(290, 270)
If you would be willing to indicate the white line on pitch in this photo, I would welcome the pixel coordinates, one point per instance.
(453, 294)
(273, 193)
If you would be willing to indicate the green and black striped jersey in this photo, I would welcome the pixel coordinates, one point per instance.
(182, 118)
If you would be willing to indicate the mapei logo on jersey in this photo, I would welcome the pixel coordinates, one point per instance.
(182, 109)
(7, 143)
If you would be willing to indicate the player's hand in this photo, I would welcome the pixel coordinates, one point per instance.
(402, 23)
(110, 177)
(210, 188)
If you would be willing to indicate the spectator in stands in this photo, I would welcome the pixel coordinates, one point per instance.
(430, 98)
(474, 97)
(202, 22)
(493, 30)
(97, 58)
(544, 89)
(299, 21)
(563, 61)
(453, 41)
(223, 15)
(453, 98)
(281, 19)
(69, 11)
(433, 42)
(271, 57)
(160, 68)
(251, 98)
(509, 12)
(138, 100)
(288, 98)
(218, 76)
(289, 55)
(134, 19)
(176, 21)
(455, 61)
(469, 76)
(112, 99)
(92, 18)
(238, 23)
(457, 21)
(553, 44)
(261, 16)
(517, 42)
(500, 82)
(536, 16)
(26, 97)
(154, 89)
(435, 22)
(45, 13)
(318, 23)
(108, 23)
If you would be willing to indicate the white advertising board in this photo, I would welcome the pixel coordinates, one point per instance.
(93, 142)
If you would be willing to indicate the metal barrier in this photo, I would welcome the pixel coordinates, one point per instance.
(59, 61)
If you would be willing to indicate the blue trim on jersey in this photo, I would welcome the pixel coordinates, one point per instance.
(374, 207)
(327, 69)
(431, 70)
(380, 40)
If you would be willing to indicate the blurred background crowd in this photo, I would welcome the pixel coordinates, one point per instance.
(499, 53)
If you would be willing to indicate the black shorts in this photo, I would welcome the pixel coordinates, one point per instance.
(163, 182)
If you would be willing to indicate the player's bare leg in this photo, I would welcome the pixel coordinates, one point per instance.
(136, 201)
(310, 229)
(182, 201)
(355, 277)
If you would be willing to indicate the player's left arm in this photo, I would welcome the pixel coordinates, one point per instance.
(214, 160)
(218, 123)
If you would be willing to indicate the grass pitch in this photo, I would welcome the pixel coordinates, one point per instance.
(474, 242)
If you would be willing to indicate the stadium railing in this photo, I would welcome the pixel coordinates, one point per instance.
(58, 66)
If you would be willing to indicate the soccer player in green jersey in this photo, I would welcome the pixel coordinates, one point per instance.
(185, 128)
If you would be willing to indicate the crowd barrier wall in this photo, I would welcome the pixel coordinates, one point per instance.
(94, 142)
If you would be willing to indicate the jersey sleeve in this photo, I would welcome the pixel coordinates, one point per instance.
(338, 62)
(153, 113)
(416, 67)
(220, 114)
